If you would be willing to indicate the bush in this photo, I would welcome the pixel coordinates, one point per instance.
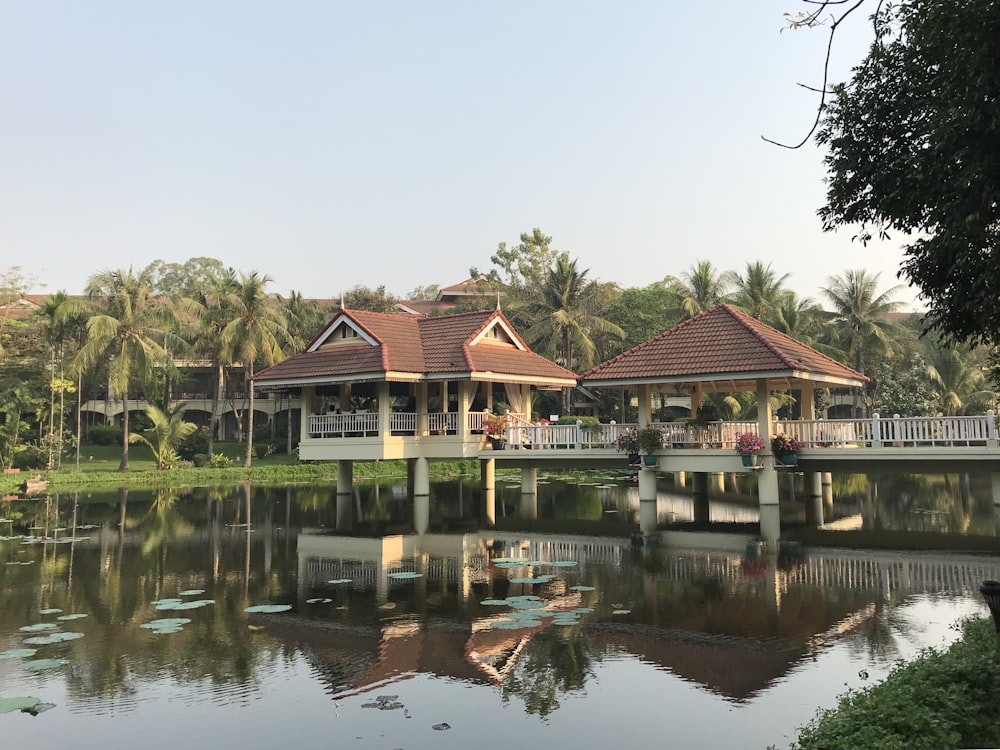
(32, 457)
(220, 461)
(105, 434)
(193, 444)
(262, 450)
(199, 459)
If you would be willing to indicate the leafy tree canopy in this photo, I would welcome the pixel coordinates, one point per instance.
(914, 147)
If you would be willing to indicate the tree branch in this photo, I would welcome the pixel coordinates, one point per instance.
(810, 19)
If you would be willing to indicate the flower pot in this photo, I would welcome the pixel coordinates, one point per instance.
(634, 459)
(789, 459)
(749, 460)
(648, 460)
(498, 444)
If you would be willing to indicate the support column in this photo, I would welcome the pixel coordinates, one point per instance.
(529, 493)
(767, 477)
(487, 474)
(827, 491)
(699, 486)
(813, 481)
(995, 486)
(345, 480)
(647, 501)
(644, 398)
(421, 494)
(409, 477)
(305, 411)
(716, 483)
(384, 409)
(420, 393)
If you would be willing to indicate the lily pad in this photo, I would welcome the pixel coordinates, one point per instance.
(167, 603)
(529, 605)
(511, 565)
(52, 611)
(76, 616)
(318, 601)
(38, 627)
(166, 622)
(192, 592)
(268, 608)
(38, 665)
(406, 574)
(175, 604)
(18, 653)
(539, 579)
(524, 598)
(583, 610)
(494, 602)
(581, 588)
(510, 560)
(18, 704)
(340, 580)
(621, 612)
(516, 624)
(47, 640)
(559, 563)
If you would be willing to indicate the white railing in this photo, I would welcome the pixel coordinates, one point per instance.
(442, 422)
(872, 432)
(403, 421)
(342, 425)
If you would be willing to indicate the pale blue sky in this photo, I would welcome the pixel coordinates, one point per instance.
(330, 144)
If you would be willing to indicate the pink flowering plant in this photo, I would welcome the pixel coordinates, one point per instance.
(784, 445)
(495, 426)
(748, 443)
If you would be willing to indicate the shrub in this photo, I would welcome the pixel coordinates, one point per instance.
(193, 444)
(105, 434)
(650, 439)
(32, 457)
(220, 461)
(199, 459)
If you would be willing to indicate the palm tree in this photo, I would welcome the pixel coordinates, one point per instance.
(760, 292)
(956, 382)
(701, 287)
(562, 321)
(254, 330)
(209, 317)
(129, 330)
(168, 431)
(860, 318)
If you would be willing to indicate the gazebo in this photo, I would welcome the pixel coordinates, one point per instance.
(725, 350)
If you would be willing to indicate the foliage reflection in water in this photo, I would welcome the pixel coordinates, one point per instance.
(541, 633)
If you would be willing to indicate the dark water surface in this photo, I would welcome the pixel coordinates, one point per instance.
(674, 647)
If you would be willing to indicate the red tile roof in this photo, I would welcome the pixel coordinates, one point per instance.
(417, 347)
(723, 344)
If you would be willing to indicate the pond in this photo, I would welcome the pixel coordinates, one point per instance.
(133, 606)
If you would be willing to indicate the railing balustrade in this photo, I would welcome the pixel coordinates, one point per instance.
(813, 434)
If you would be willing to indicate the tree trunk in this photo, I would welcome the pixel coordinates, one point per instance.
(247, 460)
(123, 466)
(213, 418)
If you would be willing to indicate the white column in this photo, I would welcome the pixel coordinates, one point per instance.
(487, 473)
(647, 501)
(384, 409)
(767, 477)
(644, 397)
(345, 479)
(420, 391)
(305, 411)
(466, 390)
(529, 493)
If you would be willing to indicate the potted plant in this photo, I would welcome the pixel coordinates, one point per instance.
(496, 430)
(747, 445)
(650, 441)
(786, 449)
(628, 442)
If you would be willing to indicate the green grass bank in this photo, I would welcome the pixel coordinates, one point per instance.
(939, 700)
(99, 468)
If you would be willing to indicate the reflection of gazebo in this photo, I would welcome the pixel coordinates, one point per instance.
(724, 350)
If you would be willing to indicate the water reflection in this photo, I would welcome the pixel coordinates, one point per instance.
(713, 631)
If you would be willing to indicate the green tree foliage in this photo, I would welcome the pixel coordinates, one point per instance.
(701, 287)
(759, 291)
(373, 300)
(165, 436)
(528, 263)
(564, 321)
(643, 313)
(914, 147)
(129, 331)
(193, 278)
(254, 332)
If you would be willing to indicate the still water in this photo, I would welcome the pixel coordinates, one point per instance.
(461, 636)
